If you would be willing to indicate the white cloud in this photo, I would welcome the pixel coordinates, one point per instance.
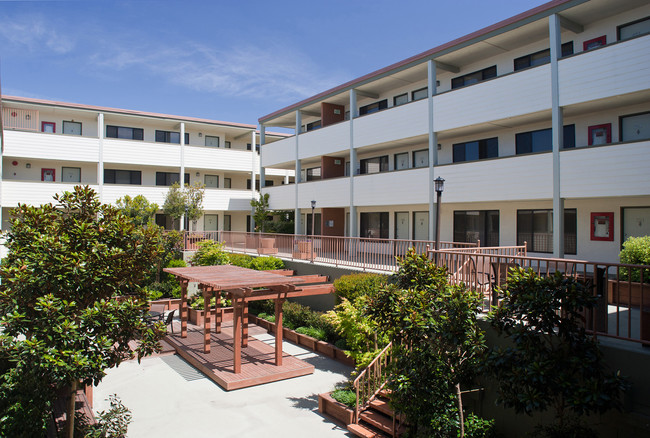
(265, 72)
(34, 34)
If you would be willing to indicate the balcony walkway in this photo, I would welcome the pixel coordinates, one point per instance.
(257, 359)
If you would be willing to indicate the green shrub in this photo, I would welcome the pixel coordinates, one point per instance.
(266, 317)
(174, 263)
(345, 396)
(241, 260)
(477, 427)
(210, 253)
(355, 285)
(267, 263)
(340, 343)
(313, 332)
(636, 251)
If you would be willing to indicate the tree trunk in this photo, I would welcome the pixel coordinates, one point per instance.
(460, 411)
(69, 424)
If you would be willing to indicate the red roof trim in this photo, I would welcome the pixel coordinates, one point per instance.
(479, 33)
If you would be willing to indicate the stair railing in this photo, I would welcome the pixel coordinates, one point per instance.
(372, 380)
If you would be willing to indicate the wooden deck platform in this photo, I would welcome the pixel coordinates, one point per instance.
(257, 359)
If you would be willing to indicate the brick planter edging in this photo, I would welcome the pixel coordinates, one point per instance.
(330, 408)
(324, 348)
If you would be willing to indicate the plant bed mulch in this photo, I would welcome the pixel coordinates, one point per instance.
(334, 410)
(321, 347)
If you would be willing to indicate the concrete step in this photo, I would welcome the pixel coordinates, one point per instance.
(364, 432)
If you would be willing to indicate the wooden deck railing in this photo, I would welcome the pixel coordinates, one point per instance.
(372, 380)
(363, 253)
(623, 291)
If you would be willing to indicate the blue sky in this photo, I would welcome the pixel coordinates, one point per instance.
(224, 60)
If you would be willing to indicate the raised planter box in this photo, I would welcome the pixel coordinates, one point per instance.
(307, 341)
(325, 348)
(290, 335)
(170, 303)
(626, 294)
(335, 410)
(196, 316)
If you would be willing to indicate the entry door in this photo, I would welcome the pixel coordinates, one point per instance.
(421, 225)
(71, 174)
(402, 225)
(210, 222)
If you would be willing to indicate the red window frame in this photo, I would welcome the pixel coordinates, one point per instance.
(602, 40)
(44, 124)
(608, 129)
(608, 216)
(43, 170)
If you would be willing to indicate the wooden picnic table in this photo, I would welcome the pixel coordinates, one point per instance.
(242, 285)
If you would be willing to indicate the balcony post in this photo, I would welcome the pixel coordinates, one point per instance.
(296, 220)
(182, 174)
(354, 113)
(253, 176)
(100, 158)
(262, 141)
(433, 145)
(557, 135)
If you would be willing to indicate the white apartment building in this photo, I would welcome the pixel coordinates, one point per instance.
(539, 125)
(49, 147)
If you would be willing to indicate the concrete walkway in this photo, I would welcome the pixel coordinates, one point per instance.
(168, 398)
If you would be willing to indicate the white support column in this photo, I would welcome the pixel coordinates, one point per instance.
(354, 113)
(262, 142)
(296, 221)
(433, 145)
(182, 175)
(557, 135)
(100, 158)
(253, 176)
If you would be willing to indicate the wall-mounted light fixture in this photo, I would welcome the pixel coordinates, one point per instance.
(28, 165)
(198, 174)
(200, 134)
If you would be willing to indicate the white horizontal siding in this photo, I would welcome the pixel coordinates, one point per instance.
(610, 71)
(281, 197)
(141, 153)
(333, 192)
(519, 93)
(113, 192)
(324, 141)
(33, 192)
(50, 146)
(231, 200)
(278, 152)
(218, 158)
(393, 188)
(616, 170)
(505, 179)
(393, 124)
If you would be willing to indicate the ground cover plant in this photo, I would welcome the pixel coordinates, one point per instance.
(551, 362)
(71, 301)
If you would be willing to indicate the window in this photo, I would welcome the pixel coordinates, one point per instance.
(420, 225)
(72, 128)
(594, 43)
(542, 140)
(114, 176)
(71, 174)
(541, 57)
(124, 132)
(169, 178)
(210, 222)
(212, 141)
(313, 174)
(373, 107)
(402, 161)
(257, 147)
(633, 29)
(473, 78)
(211, 181)
(401, 99)
(48, 175)
(536, 228)
(472, 226)
(420, 94)
(227, 183)
(257, 184)
(421, 158)
(49, 127)
(374, 165)
(171, 137)
(635, 127)
(374, 225)
(635, 222)
(476, 150)
(268, 183)
(227, 145)
(313, 125)
(227, 222)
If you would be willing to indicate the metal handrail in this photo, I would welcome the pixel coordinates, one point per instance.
(371, 380)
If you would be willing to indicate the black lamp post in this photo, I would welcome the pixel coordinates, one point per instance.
(439, 186)
(313, 216)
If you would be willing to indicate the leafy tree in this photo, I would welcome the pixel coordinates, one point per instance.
(187, 201)
(437, 345)
(551, 362)
(139, 209)
(261, 212)
(63, 323)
